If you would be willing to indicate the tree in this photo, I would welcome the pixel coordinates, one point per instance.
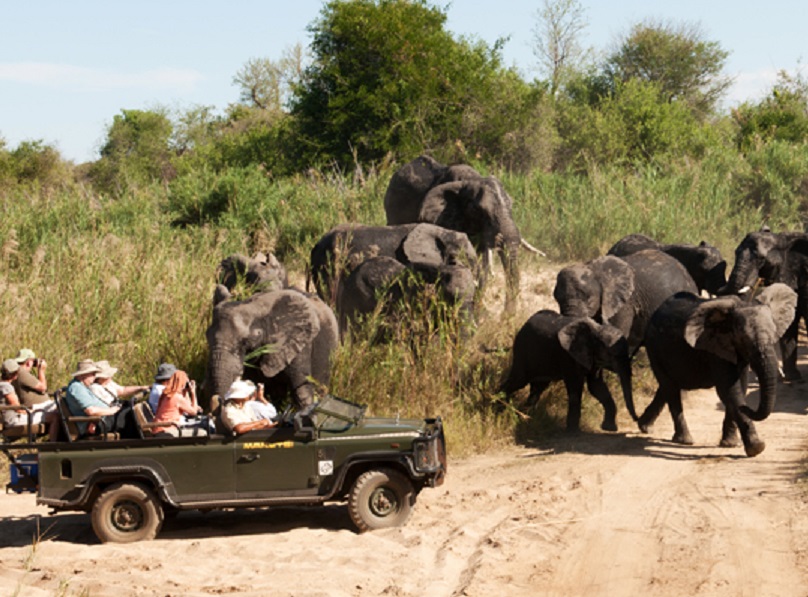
(686, 67)
(386, 76)
(267, 84)
(137, 150)
(781, 116)
(556, 38)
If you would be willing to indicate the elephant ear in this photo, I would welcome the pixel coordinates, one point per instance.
(440, 205)
(782, 302)
(617, 284)
(231, 269)
(710, 327)
(424, 246)
(576, 338)
(286, 327)
(220, 294)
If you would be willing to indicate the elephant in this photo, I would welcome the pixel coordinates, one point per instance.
(775, 257)
(694, 343)
(260, 272)
(344, 247)
(703, 262)
(289, 335)
(386, 278)
(459, 198)
(551, 347)
(621, 291)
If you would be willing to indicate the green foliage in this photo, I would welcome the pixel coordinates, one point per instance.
(386, 76)
(686, 67)
(634, 124)
(775, 183)
(136, 151)
(33, 163)
(780, 116)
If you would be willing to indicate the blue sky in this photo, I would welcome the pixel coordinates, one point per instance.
(66, 68)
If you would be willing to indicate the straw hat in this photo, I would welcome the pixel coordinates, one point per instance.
(240, 390)
(105, 370)
(84, 367)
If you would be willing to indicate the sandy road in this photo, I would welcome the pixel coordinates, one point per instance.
(585, 514)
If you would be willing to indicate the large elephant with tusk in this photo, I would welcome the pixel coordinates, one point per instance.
(459, 198)
(768, 257)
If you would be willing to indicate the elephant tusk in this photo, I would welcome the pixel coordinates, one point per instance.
(531, 248)
(744, 290)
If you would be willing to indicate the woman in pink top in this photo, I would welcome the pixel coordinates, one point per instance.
(178, 399)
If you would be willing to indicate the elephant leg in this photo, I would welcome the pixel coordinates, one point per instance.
(537, 388)
(575, 390)
(681, 433)
(598, 388)
(732, 399)
(729, 432)
(652, 411)
(788, 349)
(298, 374)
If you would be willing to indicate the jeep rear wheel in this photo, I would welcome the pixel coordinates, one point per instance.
(381, 499)
(126, 512)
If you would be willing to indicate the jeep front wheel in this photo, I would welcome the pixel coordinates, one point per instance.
(381, 499)
(125, 513)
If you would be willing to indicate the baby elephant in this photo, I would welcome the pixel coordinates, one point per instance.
(552, 347)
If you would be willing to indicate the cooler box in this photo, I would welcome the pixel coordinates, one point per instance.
(28, 479)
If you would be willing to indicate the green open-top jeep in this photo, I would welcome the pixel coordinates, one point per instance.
(329, 452)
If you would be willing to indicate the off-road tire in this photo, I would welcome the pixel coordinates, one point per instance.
(381, 499)
(125, 513)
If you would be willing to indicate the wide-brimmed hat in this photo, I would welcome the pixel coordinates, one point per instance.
(105, 370)
(165, 371)
(10, 366)
(24, 355)
(84, 367)
(240, 390)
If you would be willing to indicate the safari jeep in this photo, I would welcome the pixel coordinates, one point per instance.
(329, 452)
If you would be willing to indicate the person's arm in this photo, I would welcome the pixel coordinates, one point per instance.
(97, 411)
(252, 426)
(42, 385)
(12, 400)
(127, 391)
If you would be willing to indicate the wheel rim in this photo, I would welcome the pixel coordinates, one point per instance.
(383, 502)
(127, 516)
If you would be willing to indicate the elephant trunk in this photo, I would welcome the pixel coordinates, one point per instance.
(764, 364)
(224, 367)
(743, 275)
(510, 264)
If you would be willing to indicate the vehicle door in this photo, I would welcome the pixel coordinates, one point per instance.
(273, 463)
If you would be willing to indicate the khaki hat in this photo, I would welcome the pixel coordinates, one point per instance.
(24, 355)
(240, 390)
(84, 367)
(10, 366)
(105, 370)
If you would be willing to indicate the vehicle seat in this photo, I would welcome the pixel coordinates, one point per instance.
(69, 429)
(28, 430)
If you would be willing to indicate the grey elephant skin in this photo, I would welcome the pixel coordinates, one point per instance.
(703, 262)
(551, 347)
(294, 334)
(622, 291)
(344, 247)
(775, 257)
(386, 280)
(459, 198)
(260, 272)
(695, 343)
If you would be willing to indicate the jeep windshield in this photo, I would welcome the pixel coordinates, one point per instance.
(335, 413)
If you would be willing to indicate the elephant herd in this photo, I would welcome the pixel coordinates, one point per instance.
(699, 328)
(645, 294)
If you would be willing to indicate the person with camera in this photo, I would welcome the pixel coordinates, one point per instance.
(179, 409)
(31, 385)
